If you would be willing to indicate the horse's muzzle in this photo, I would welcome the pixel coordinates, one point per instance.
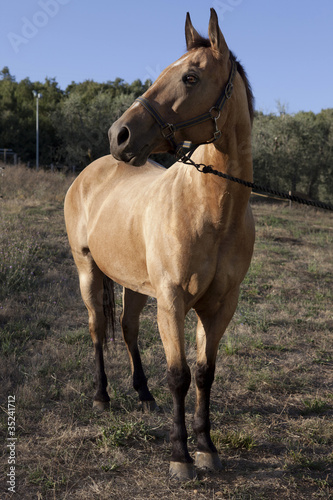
(124, 148)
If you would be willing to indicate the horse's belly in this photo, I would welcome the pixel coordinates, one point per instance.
(121, 255)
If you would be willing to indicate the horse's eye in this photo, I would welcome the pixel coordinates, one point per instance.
(190, 79)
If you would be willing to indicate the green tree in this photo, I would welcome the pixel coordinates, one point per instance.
(18, 116)
(83, 125)
(73, 124)
(294, 152)
(5, 74)
(84, 116)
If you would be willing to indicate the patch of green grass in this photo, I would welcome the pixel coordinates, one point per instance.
(16, 335)
(266, 377)
(111, 466)
(237, 440)
(230, 345)
(259, 344)
(19, 268)
(41, 478)
(314, 430)
(323, 358)
(272, 221)
(121, 433)
(73, 337)
(313, 463)
(248, 316)
(316, 406)
(71, 365)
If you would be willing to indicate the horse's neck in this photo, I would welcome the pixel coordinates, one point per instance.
(217, 194)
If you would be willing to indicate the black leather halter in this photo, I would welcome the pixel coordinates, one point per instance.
(168, 130)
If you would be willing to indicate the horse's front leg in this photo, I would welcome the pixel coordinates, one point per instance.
(171, 326)
(211, 327)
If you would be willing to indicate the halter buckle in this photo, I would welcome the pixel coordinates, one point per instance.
(183, 148)
(168, 131)
(228, 90)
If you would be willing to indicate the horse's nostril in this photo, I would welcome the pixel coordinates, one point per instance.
(123, 135)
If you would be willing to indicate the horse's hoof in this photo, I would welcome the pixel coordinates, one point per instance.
(101, 406)
(208, 461)
(182, 471)
(149, 406)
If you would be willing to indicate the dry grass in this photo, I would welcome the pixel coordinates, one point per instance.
(272, 401)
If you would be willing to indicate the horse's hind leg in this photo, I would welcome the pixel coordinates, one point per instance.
(91, 286)
(133, 303)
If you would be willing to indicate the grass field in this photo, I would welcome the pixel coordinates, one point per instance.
(272, 400)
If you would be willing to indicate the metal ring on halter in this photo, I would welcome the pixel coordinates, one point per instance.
(214, 108)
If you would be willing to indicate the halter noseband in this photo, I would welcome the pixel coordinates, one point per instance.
(168, 130)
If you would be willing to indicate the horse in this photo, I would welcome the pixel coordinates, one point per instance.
(180, 235)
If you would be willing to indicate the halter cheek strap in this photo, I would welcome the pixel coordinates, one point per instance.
(168, 130)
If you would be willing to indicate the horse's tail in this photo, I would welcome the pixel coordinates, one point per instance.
(109, 308)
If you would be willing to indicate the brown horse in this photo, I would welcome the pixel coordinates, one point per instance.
(179, 235)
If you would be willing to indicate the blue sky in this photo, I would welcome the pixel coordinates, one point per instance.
(286, 46)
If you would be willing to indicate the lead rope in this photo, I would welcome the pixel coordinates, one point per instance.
(208, 169)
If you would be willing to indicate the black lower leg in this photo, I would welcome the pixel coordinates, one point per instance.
(204, 378)
(139, 378)
(179, 382)
(100, 377)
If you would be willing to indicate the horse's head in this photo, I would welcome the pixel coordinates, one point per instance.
(184, 104)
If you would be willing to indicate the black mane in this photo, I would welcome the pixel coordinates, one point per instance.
(249, 93)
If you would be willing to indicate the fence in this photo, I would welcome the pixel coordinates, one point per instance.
(5, 153)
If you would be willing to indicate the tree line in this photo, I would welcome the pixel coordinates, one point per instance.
(290, 152)
(295, 152)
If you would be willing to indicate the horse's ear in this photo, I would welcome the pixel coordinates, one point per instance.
(215, 34)
(191, 34)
